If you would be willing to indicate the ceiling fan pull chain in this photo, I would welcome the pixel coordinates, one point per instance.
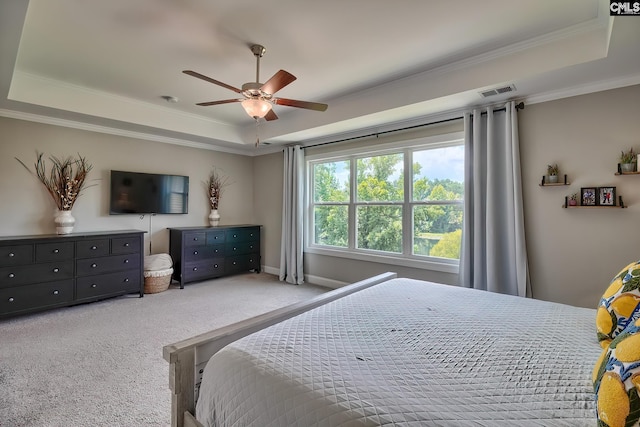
(257, 134)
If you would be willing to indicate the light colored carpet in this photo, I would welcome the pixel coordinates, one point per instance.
(101, 364)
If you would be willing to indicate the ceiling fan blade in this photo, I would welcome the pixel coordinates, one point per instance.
(271, 115)
(277, 82)
(300, 104)
(210, 80)
(224, 101)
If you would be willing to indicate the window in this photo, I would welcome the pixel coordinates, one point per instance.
(401, 205)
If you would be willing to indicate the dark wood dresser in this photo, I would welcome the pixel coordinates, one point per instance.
(47, 271)
(201, 253)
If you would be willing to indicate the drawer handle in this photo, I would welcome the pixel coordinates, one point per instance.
(234, 263)
(216, 237)
(195, 268)
(250, 246)
(11, 299)
(235, 235)
(195, 239)
(126, 279)
(251, 234)
(216, 251)
(126, 261)
(234, 249)
(11, 254)
(55, 270)
(11, 275)
(56, 292)
(126, 245)
(195, 252)
(93, 248)
(55, 251)
(215, 265)
(93, 285)
(94, 265)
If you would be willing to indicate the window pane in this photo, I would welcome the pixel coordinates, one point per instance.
(380, 228)
(331, 182)
(331, 225)
(380, 178)
(437, 230)
(438, 174)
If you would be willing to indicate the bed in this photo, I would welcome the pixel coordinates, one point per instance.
(392, 351)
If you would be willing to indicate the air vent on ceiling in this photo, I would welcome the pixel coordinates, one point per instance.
(498, 91)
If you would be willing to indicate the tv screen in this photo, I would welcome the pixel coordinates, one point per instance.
(146, 193)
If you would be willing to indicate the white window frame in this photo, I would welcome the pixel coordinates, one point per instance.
(406, 259)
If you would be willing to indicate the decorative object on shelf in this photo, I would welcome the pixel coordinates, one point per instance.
(64, 182)
(607, 196)
(588, 196)
(627, 161)
(573, 200)
(552, 171)
(215, 186)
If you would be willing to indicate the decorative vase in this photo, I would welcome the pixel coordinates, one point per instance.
(64, 222)
(553, 179)
(573, 202)
(214, 218)
(627, 167)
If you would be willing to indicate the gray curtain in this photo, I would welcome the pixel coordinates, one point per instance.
(292, 214)
(494, 253)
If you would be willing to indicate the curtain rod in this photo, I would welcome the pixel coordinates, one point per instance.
(519, 106)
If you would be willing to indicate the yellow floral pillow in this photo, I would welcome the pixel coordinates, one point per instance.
(619, 305)
(616, 378)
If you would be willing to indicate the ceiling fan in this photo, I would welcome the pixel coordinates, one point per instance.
(258, 97)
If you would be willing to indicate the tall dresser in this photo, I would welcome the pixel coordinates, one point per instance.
(201, 253)
(49, 271)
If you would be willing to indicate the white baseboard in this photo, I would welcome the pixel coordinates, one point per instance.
(315, 280)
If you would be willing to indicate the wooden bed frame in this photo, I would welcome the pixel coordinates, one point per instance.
(188, 358)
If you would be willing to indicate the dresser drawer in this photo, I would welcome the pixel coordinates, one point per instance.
(210, 268)
(242, 234)
(93, 266)
(195, 238)
(108, 284)
(91, 248)
(215, 237)
(242, 248)
(46, 252)
(125, 245)
(21, 298)
(35, 273)
(16, 255)
(200, 253)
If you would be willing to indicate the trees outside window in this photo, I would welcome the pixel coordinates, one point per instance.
(406, 202)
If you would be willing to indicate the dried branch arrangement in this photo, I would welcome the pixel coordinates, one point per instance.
(217, 182)
(64, 181)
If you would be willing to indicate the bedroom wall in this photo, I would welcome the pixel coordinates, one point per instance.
(26, 207)
(574, 253)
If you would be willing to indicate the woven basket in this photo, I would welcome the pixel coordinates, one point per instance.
(157, 281)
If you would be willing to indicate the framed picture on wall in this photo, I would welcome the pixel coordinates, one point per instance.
(588, 196)
(607, 196)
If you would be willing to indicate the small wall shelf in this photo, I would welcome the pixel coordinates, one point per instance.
(620, 205)
(625, 173)
(544, 182)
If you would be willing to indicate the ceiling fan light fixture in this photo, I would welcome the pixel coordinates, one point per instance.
(256, 108)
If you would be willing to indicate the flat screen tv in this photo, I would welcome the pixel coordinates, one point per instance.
(148, 193)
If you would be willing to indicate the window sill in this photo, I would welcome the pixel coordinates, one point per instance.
(445, 266)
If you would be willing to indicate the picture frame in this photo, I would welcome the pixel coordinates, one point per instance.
(588, 196)
(606, 196)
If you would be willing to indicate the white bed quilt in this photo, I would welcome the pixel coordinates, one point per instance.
(410, 353)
